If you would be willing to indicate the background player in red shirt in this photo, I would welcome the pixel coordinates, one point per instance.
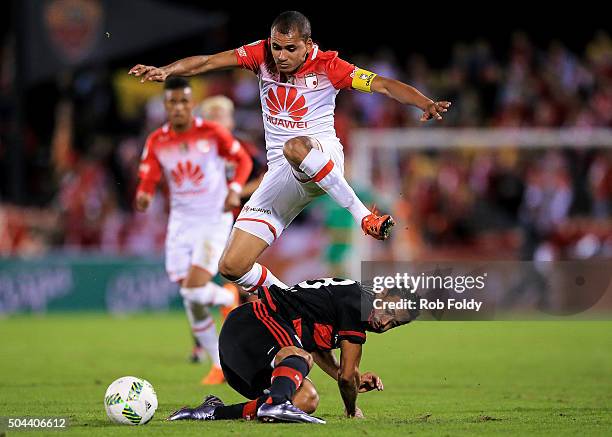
(192, 153)
(298, 84)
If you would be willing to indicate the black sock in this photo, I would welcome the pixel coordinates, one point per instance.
(287, 377)
(245, 410)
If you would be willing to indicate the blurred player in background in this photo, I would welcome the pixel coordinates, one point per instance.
(191, 154)
(220, 109)
(298, 86)
(268, 347)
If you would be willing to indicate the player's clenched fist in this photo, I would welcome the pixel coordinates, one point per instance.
(148, 72)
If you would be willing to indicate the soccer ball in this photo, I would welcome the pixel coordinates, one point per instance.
(130, 400)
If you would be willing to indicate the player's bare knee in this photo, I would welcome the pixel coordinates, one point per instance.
(296, 149)
(232, 268)
(306, 397)
(288, 351)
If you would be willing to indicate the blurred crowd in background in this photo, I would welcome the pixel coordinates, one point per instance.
(508, 203)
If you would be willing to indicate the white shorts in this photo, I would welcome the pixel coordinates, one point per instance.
(281, 197)
(193, 243)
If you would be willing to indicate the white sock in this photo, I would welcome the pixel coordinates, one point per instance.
(221, 295)
(258, 276)
(206, 333)
(209, 294)
(321, 169)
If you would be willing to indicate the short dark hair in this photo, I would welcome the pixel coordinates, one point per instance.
(176, 83)
(291, 21)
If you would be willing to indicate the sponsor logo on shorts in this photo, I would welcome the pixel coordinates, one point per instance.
(248, 208)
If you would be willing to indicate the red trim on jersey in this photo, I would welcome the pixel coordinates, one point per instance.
(251, 56)
(247, 219)
(323, 172)
(258, 314)
(281, 336)
(149, 170)
(353, 333)
(290, 373)
(260, 281)
(249, 411)
(274, 323)
(340, 73)
(146, 186)
(297, 325)
(230, 149)
(337, 70)
(269, 298)
(322, 335)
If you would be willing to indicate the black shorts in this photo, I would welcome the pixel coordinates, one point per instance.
(250, 337)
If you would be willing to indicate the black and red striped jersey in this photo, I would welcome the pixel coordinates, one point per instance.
(322, 311)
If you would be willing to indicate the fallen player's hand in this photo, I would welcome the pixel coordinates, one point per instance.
(370, 381)
(231, 201)
(434, 110)
(148, 72)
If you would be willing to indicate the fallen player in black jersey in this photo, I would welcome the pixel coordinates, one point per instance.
(267, 348)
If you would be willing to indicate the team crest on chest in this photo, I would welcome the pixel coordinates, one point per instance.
(311, 80)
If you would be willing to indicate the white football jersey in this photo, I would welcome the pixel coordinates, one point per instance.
(303, 105)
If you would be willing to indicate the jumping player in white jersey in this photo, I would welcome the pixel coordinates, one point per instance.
(298, 85)
(192, 153)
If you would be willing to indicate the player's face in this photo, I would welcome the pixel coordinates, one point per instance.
(289, 50)
(383, 319)
(222, 116)
(179, 104)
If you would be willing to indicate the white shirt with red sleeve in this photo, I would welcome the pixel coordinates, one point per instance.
(305, 104)
(193, 163)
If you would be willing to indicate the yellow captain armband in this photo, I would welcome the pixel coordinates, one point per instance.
(362, 80)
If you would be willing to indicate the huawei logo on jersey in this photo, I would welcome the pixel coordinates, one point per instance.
(286, 103)
(187, 171)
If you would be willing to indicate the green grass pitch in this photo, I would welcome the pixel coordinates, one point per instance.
(441, 378)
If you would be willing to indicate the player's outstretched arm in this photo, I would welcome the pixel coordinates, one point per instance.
(190, 66)
(409, 95)
(348, 376)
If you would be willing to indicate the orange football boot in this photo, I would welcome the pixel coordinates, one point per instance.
(214, 377)
(377, 226)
